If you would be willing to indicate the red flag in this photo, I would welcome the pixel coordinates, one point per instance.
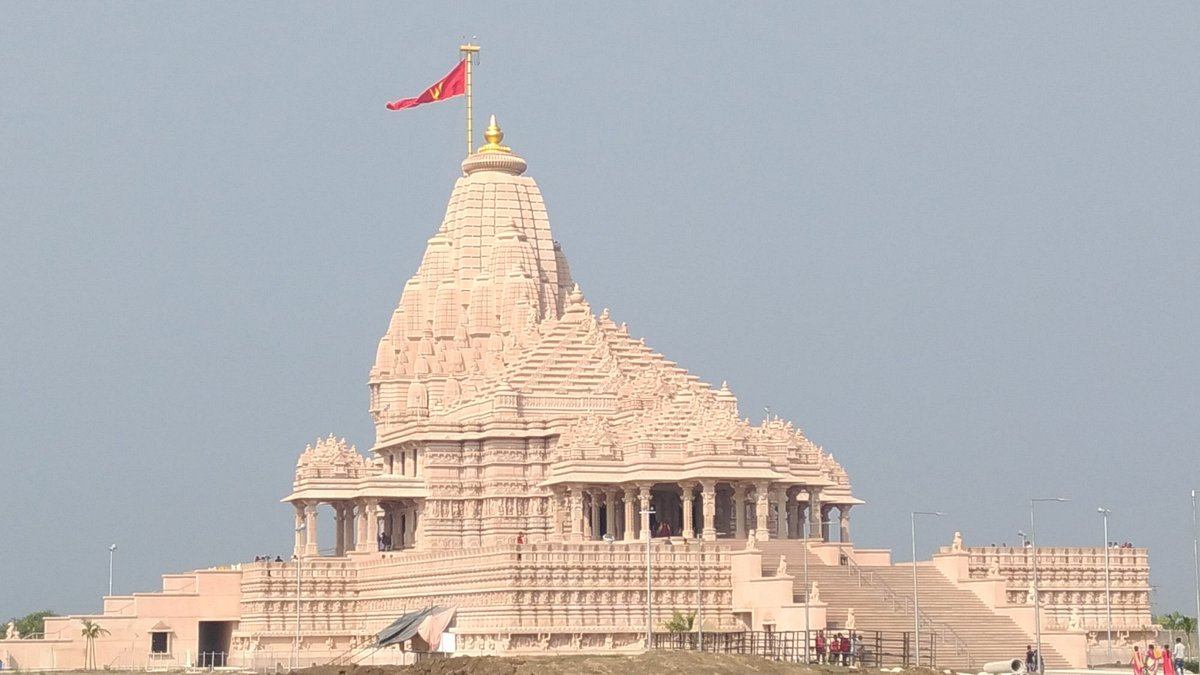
(454, 84)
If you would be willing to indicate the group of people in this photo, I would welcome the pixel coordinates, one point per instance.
(838, 649)
(267, 558)
(1114, 544)
(1155, 661)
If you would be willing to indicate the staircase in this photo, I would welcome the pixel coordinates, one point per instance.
(968, 632)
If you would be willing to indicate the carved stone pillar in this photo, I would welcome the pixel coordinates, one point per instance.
(310, 529)
(825, 521)
(814, 513)
(644, 503)
(708, 495)
(844, 517)
(594, 497)
(410, 527)
(630, 509)
(372, 514)
(556, 514)
(762, 503)
(610, 513)
(781, 513)
(418, 516)
(576, 496)
(687, 500)
(361, 542)
(298, 548)
(793, 518)
(339, 529)
(347, 527)
(739, 511)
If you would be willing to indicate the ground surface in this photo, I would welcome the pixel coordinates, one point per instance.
(642, 664)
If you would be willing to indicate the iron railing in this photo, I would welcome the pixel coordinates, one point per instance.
(876, 649)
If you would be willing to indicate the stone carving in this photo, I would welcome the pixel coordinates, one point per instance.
(956, 546)
(994, 569)
(814, 596)
(1075, 621)
(781, 569)
(851, 621)
(11, 632)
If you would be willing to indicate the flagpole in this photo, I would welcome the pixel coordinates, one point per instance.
(468, 51)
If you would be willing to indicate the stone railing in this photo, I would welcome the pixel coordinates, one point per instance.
(1071, 582)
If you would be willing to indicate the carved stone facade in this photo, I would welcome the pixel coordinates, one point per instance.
(529, 456)
(1072, 580)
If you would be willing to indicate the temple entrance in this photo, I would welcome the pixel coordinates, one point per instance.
(668, 508)
(213, 643)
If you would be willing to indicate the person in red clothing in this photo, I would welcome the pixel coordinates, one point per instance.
(821, 647)
(835, 649)
(844, 649)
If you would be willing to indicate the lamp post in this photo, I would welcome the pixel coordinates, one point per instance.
(1039, 665)
(296, 641)
(916, 597)
(646, 513)
(807, 587)
(699, 596)
(1107, 580)
(112, 548)
(1196, 557)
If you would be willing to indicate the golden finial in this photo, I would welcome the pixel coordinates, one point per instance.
(493, 136)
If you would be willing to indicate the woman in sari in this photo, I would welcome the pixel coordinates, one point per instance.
(1151, 659)
(1138, 663)
(1168, 668)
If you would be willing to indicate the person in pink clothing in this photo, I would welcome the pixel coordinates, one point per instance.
(1168, 668)
(1138, 663)
(1151, 659)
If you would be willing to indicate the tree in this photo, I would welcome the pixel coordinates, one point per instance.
(680, 622)
(1176, 621)
(34, 623)
(91, 631)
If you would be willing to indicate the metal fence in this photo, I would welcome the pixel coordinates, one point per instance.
(868, 648)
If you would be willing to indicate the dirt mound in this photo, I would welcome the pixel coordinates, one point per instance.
(643, 664)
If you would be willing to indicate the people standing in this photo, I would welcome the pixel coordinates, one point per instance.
(1138, 662)
(821, 646)
(1179, 653)
(1168, 665)
(844, 648)
(1151, 659)
(1031, 660)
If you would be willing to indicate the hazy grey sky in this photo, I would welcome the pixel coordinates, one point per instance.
(958, 243)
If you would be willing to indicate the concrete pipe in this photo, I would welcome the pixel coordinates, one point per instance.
(1013, 666)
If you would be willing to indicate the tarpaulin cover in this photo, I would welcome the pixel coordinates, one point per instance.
(434, 625)
(404, 628)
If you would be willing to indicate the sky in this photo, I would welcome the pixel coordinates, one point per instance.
(957, 243)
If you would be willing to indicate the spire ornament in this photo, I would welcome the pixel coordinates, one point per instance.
(493, 135)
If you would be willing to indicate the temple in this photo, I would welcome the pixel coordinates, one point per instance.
(531, 461)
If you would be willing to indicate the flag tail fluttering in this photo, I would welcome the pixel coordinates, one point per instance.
(453, 84)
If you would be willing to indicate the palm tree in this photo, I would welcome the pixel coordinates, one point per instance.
(91, 631)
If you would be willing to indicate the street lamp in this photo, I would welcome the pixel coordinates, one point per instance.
(1107, 580)
(916, 597)
(112, 548)
(807, 587)
(299, 564)
(646, 513)
(1039, 665)
(699, 596)
(1196, 556)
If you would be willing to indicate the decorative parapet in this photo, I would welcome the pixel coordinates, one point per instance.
(1071, 581)
(331, 458)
